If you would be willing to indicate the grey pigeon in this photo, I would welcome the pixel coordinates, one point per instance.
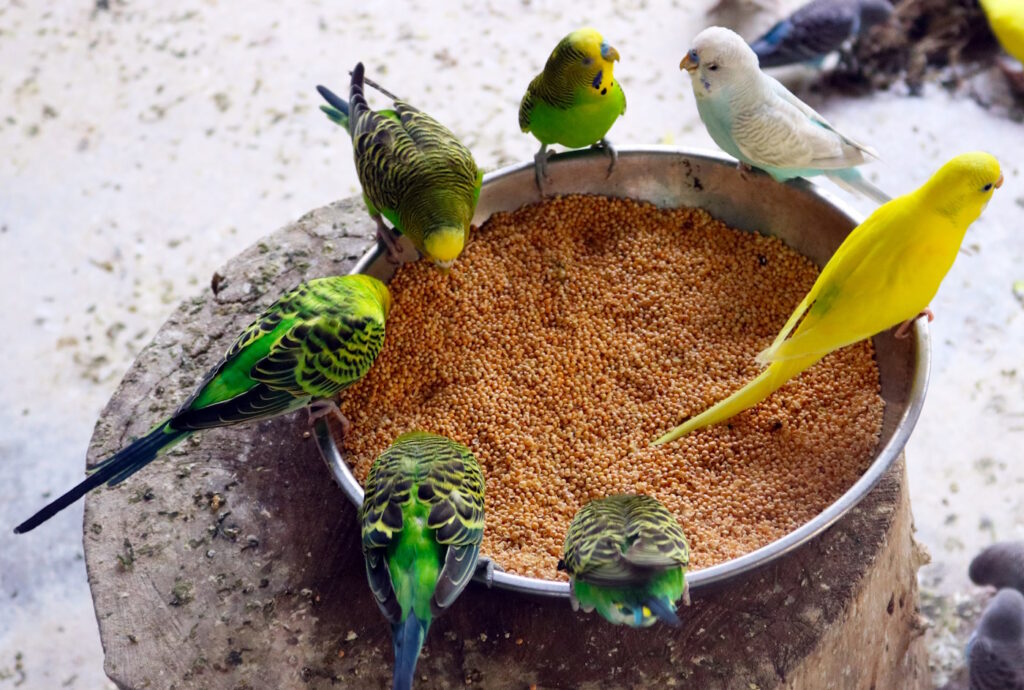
(1000, 565)
(995, 652)
(817, 29)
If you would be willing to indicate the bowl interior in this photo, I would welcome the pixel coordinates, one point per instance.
(799, 213)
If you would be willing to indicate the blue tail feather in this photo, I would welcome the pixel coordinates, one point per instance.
(407, 638)
(337, 109)
(111, 471)
(663, 611)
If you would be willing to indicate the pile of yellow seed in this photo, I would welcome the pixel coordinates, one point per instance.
(573, 332)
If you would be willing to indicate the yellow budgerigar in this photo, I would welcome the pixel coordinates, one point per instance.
(884, 273)
(1006, 17)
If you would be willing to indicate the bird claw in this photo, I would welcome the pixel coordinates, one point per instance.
(686, 594)
(319, 409)
(610, 151)
(384, 236)
(540, 167)
(488, 566)
(904, 330)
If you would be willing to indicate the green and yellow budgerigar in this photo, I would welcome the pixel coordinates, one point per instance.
(422, 522)
(303, 350)
(1006, 17)
(627, 557)
(884, 273)
(413, 170)
(575, 100)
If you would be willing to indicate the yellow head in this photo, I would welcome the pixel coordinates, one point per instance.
(376, 288)
(443, 245)
(584, 56)
(962, 188)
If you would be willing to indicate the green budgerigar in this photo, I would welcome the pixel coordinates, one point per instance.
(422, 522)
(575, 100)
(413, 170)
(627, 557)
(303, 350)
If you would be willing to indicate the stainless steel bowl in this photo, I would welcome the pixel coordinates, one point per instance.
(806, 218)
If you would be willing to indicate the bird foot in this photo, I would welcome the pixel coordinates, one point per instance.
(904, 330)
(386, 236)
(686, 594)
(321, 408)
(540, 167)
(610, 151)
(488, 566)
(745, 170)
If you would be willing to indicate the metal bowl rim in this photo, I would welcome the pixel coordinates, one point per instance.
(716, 574)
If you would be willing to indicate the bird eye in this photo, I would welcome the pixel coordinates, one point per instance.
(587, 61)
(987, 187)
(713, 67)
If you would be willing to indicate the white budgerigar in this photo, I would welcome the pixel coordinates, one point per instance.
(755, 119)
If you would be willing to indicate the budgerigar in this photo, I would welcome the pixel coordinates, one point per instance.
(755, 119)
(422, 522)
(1000, 565)
(818, 28)
(627, 557)
(995, 652)
(414, 172)
(884, 273)
(303, 350)
(1006, 17)
(575, 100)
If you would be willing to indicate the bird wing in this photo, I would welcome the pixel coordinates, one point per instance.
(443, 475)
(810, 33)
(859, 292)
(454, 488)
(784, 132)
(311, 343)
(613, 541)
(996, 664)
(396, 157)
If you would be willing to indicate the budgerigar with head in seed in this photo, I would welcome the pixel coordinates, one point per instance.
(756, 120)
(995, 652)
(422, 522)
(884, 274)
(627, 558)
(818, 28)
(308, 346)
(414, 172)
(575, 100)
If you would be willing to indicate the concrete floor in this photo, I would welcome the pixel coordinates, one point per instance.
(144, 146)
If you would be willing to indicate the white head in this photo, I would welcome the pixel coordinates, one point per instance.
(718, 61)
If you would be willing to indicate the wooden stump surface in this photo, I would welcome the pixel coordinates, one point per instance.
(233, 562)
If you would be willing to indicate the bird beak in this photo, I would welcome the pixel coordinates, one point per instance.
(444, 267)
(689, 62)
(609, 53)
(999, 182)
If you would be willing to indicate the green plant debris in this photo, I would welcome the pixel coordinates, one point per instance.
(126, 560)
(181, 593)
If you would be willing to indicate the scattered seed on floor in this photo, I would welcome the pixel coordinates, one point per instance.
(573, 332)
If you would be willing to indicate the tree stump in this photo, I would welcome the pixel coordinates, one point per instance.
(233, 562)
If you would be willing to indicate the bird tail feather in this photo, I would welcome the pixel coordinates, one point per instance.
(663, 611)
(337, 108)
(111, 471)
(408, 639)
(770, 380)
(852, 181)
